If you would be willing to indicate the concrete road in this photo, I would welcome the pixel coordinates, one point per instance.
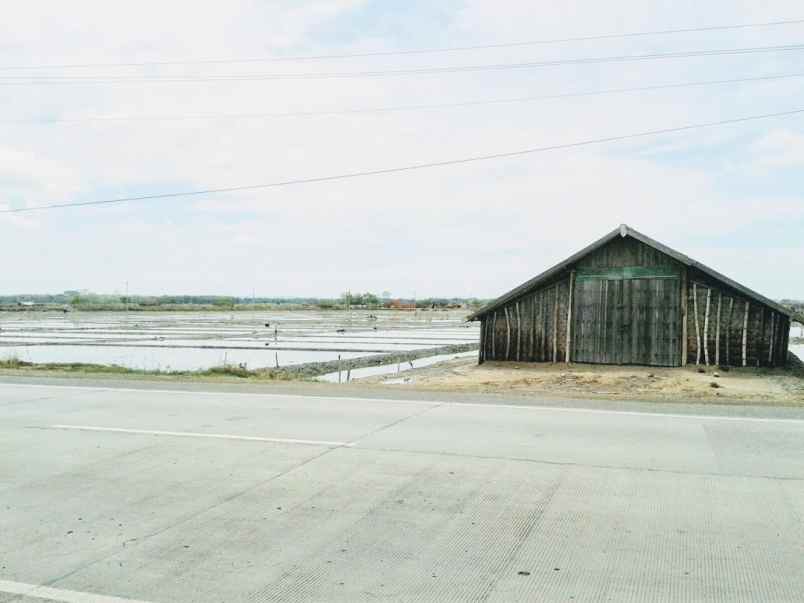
(147, 495)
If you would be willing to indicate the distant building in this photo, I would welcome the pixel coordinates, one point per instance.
(627, 299)
(398, 304)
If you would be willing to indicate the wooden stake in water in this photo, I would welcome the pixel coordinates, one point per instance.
(339, 368)
(277, 359)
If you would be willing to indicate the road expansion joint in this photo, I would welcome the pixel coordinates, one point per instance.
(392, 424)
(515, 459)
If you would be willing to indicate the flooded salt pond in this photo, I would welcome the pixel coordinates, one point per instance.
(391, 369)
(167, 359)
(197, 341)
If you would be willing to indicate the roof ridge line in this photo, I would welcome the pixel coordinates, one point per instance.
(623, 230)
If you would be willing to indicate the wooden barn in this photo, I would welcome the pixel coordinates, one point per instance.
(627, 299)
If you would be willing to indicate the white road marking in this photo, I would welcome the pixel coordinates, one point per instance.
(226, 393)
(58, 594)
(416, 402)
(193, 434)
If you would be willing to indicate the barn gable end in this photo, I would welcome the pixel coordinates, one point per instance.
(627, 299)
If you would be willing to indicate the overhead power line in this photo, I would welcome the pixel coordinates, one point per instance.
(414, 51)
(405, 108)
(92, 79)
(405, 168)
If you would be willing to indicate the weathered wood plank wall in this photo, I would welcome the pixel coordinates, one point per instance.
(531, 328)
(742, 332)
(627, 321)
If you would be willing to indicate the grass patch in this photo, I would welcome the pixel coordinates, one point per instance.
(224, 371)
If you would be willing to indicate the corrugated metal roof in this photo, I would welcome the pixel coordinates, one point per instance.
(626, 231)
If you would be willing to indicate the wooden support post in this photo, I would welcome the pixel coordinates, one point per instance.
(544, 315)
(482, 341)
(518, 333)
(745, 334)
(760, 336)
(717, 328)
(507, 334)
(555, 325)
(772, 339)
(567, 354)
(494, 336)
(604, 302)
(532, 326)
(706, 326)
(684, 306)
(728, 331)
(697, 323)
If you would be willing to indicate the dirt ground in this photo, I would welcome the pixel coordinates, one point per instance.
(777, 387)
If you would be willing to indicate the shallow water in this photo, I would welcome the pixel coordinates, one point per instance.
(168, 359)
(392, 369)
(314, 336)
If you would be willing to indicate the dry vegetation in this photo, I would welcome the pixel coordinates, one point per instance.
(14, 366)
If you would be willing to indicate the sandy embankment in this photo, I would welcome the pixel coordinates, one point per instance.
(776, 386)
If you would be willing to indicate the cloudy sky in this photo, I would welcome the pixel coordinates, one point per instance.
(84, 119)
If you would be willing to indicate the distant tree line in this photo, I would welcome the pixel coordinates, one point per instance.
(372, 300)
(84, 300)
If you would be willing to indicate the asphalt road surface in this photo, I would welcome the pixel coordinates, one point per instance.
(157, 495)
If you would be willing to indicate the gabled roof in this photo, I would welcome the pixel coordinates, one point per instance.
(626, 231)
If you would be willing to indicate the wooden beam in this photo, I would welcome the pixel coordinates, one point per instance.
(728, 331)
(772, 339)
(507, 334)
(717, 328)
(532, 325)
(706, 326)
(481, 351)
(602, 346)
(745, 334)
(543, 323)
(555, 325)
(697, 323)
(494, 336)
(684, 311)
(569, 317)
(518, 333)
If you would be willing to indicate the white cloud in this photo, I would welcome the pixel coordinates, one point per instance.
(779, 149)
